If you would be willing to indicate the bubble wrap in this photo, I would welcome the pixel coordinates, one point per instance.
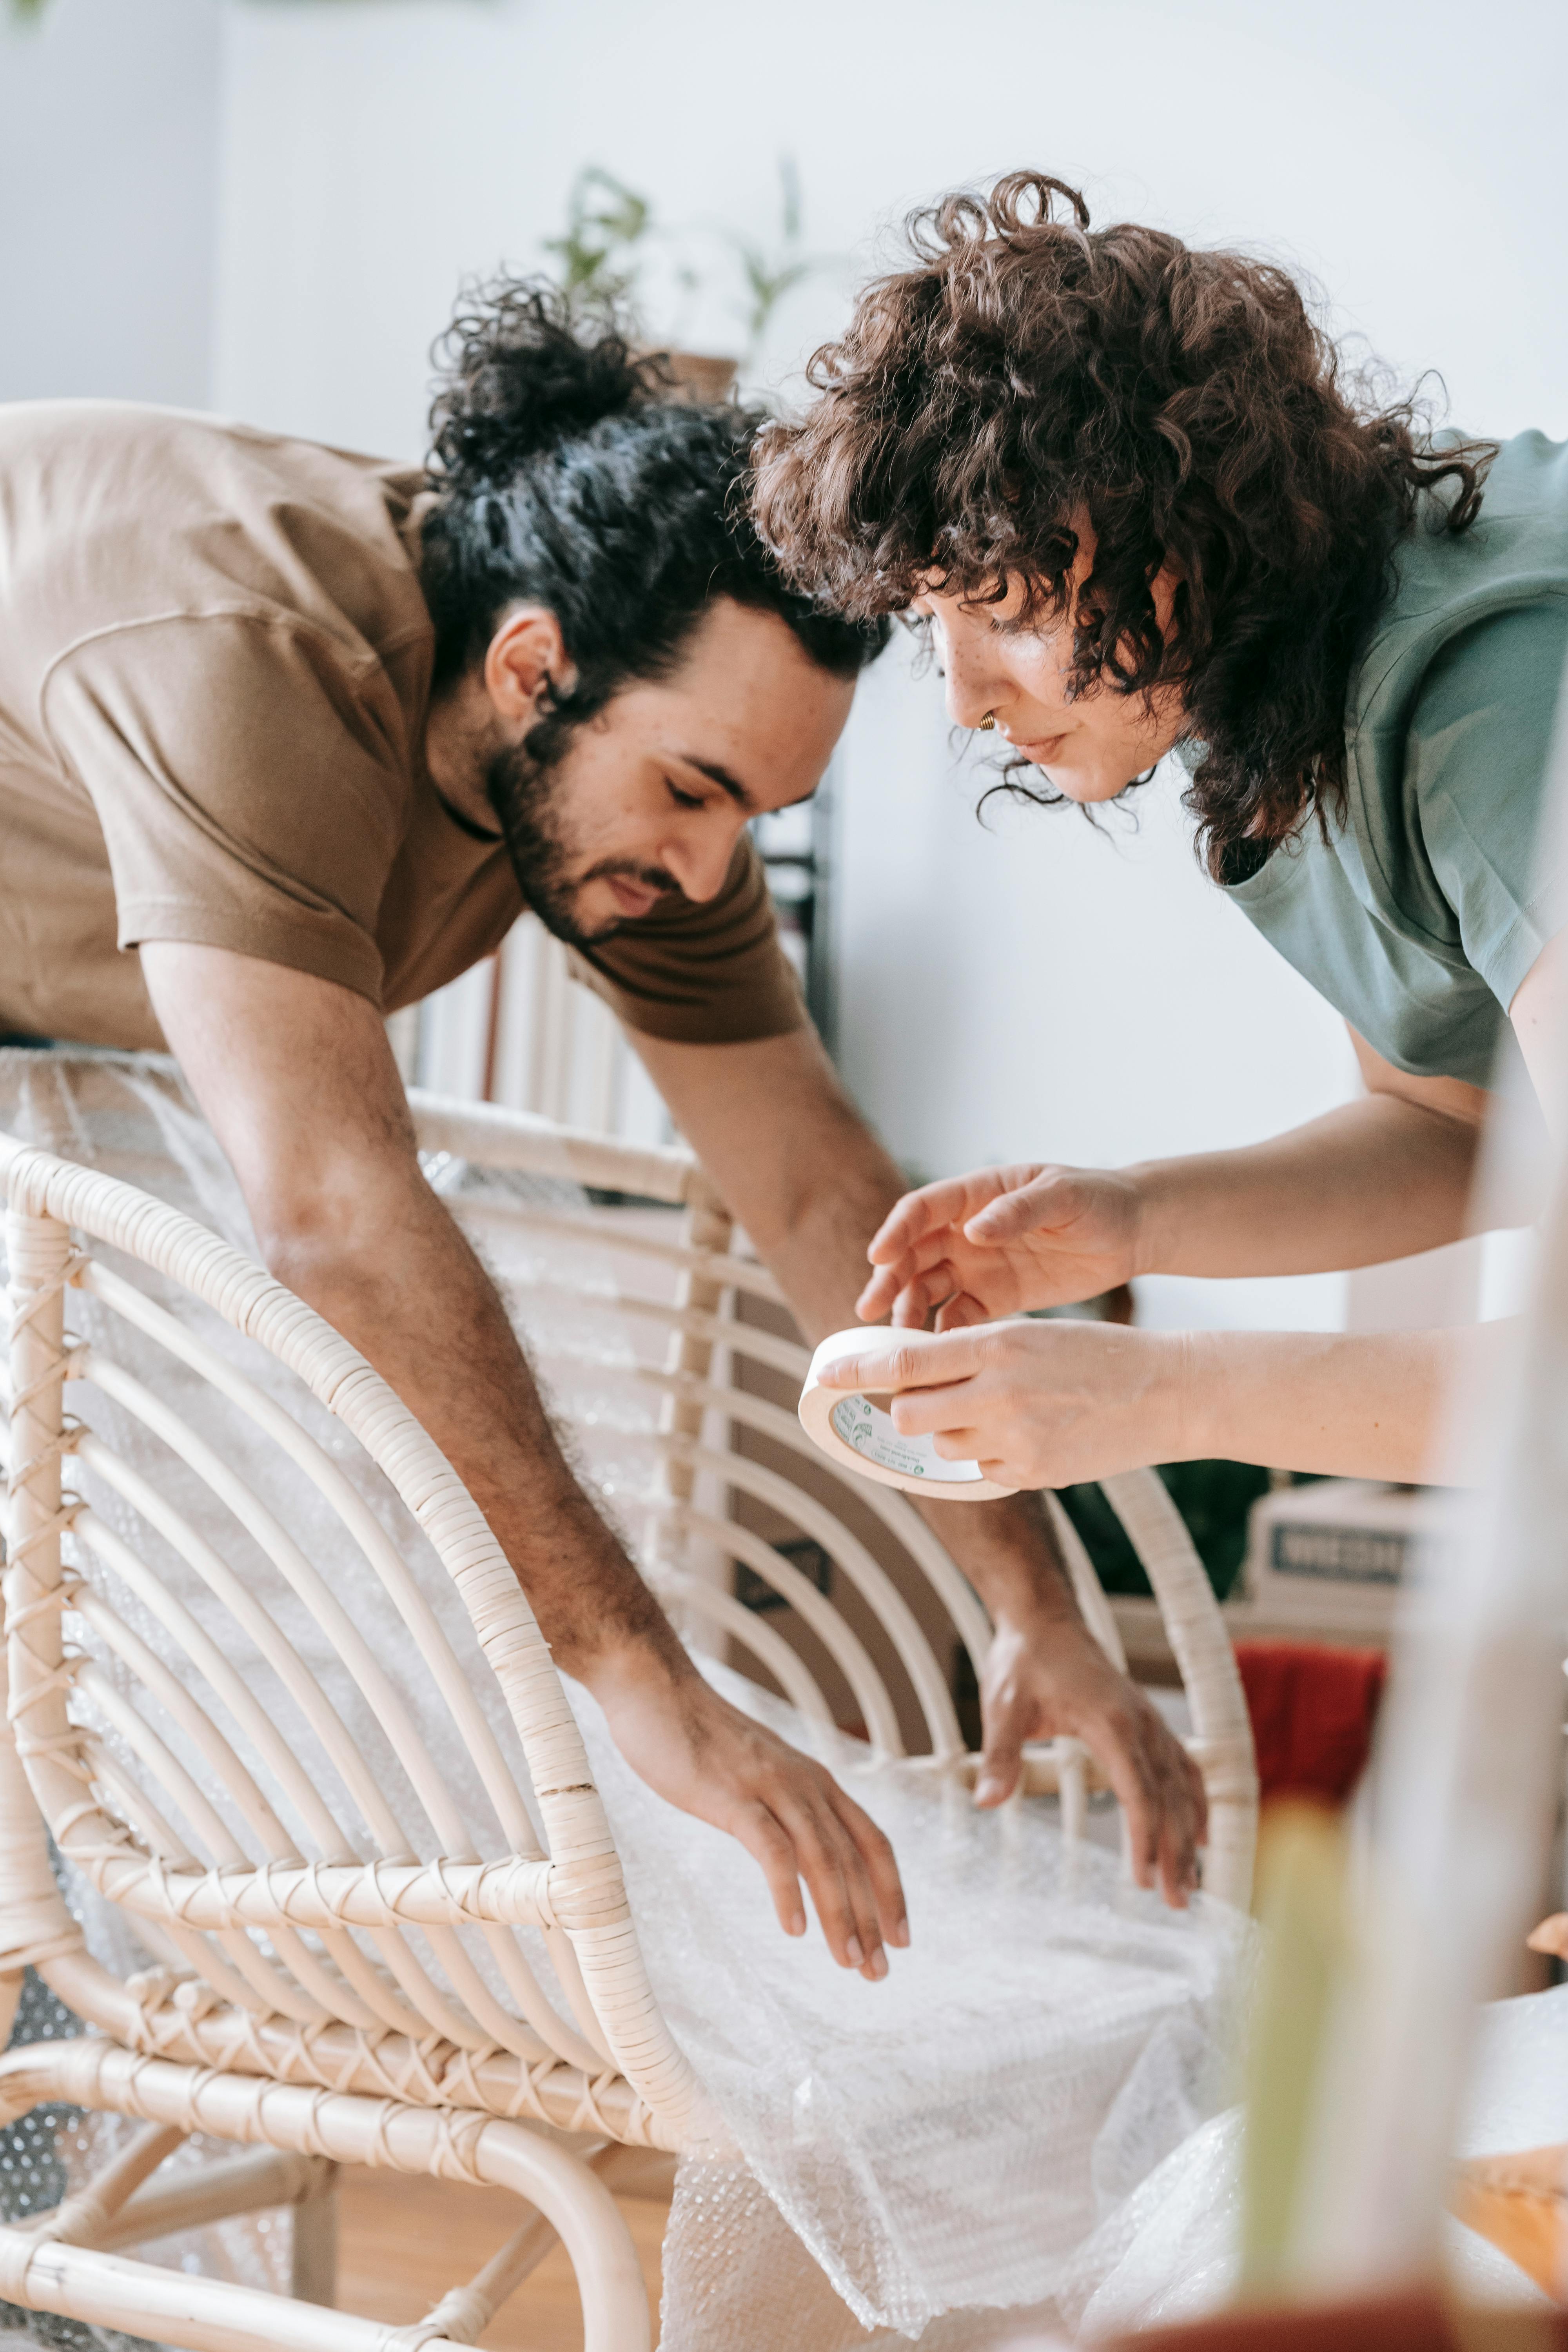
(1173, 2252)
(923, 2160)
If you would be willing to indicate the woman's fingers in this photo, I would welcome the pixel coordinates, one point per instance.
(947, 1411)
(957, 1313)
(1046, 1201)
(907, 1360)
(924, 1292)
(947, 1203)
(927, 1267)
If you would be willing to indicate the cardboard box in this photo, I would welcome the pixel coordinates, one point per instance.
(1337, 1551)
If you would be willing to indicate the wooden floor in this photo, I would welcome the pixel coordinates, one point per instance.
(404, 2241)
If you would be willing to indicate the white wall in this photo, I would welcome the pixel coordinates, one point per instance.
(109, 135)
(1037, 988)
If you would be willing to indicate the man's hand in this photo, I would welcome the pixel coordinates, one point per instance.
(704, 1756)
(972, 1248)
(1047, 1676)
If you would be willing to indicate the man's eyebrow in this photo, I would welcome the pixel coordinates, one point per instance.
(722, 777)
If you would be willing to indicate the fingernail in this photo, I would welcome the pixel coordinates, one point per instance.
(879, 1964)
(901, 1934)
(797, 1925)
(986, 1789)
(856, 1957)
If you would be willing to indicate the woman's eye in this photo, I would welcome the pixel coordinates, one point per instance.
(684, 800)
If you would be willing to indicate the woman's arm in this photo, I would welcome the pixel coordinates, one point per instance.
(1376, 1179)
(1047, 1404)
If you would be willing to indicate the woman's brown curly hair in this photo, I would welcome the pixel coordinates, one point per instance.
(1028, 376)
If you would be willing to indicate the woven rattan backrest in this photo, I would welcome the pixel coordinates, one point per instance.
(355, 1891)
(835, 1587)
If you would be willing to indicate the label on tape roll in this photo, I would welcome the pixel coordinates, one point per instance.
(860, 1435)
(869, 1431)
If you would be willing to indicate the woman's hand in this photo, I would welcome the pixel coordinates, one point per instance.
(1035, 1405)
(974, 1247)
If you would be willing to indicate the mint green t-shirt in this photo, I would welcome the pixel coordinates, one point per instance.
(1421, 914)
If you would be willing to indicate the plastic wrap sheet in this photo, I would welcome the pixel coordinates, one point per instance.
(928, 2157)
(1172, 2251)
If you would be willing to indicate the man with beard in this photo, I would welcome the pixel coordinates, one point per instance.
(288, 739)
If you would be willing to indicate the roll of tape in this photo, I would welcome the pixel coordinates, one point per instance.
(857, 1435)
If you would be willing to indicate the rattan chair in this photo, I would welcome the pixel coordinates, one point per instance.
(290, 2009)
(899, 1625)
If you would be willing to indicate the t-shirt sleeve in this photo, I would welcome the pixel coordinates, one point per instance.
(252, 789)
(710, 974)
(1479, 754)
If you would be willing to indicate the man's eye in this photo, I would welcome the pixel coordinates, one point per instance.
(684, 800)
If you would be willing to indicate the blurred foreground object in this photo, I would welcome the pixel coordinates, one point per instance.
(1410, 2322)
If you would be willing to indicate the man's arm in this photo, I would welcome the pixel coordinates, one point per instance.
(804, 1174)
(297, 1079)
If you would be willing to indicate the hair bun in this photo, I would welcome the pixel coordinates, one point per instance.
(519, 373)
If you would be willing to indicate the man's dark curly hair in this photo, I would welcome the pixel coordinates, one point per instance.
(568, 472)
(1029, 377)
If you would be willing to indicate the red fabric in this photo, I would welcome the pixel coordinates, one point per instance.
(1313, 1709)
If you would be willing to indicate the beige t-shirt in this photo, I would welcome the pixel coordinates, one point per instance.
(215, 660)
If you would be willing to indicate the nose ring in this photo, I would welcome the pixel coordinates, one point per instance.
(987, 723)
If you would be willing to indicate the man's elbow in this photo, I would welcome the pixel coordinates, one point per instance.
(332, 1231)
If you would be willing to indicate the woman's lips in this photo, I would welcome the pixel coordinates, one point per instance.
(1039, 753)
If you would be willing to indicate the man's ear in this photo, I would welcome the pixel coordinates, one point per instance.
(527, 652)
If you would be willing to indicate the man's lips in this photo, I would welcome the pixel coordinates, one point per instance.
(632, 898)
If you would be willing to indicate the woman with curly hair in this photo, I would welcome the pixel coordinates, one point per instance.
(1142, 505)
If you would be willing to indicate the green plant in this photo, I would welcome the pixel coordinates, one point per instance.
(605, 223)
(610, 228)
(770, 272)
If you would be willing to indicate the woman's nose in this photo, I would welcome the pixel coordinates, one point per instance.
(974, 688)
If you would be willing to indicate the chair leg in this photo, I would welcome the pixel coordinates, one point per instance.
(313, 2271)
(102, 2289)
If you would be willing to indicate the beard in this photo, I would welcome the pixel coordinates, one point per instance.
(529, 794)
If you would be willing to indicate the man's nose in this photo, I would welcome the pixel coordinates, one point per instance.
(699, 859)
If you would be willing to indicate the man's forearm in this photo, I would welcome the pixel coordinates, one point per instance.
(811, 1211)
(1377, 1178)
(424, 1313)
